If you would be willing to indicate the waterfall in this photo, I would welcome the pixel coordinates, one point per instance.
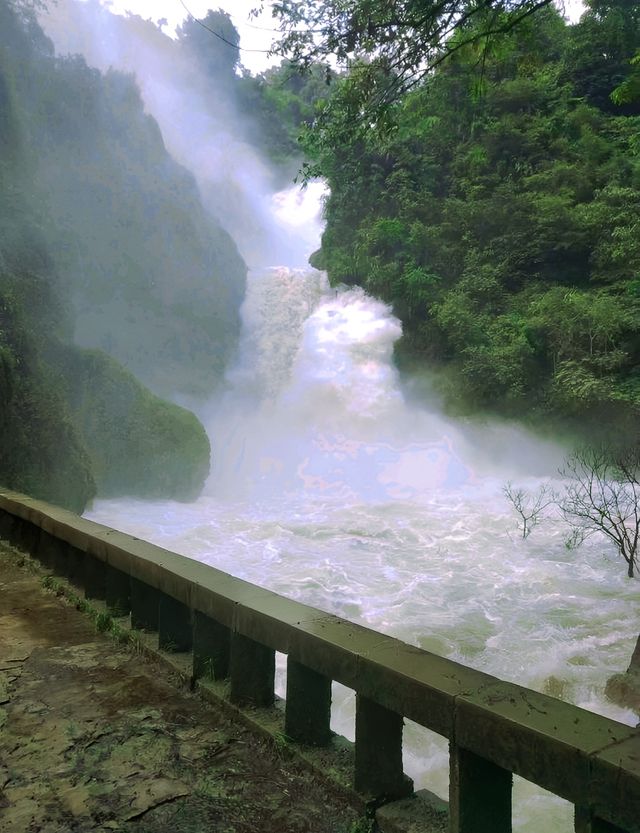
(330, 487)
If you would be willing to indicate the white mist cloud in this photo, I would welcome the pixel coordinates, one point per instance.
(200, 125)
(255, 33)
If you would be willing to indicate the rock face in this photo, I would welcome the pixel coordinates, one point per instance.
(624, 689)
(74, 422)
(104, 244)
(137, 443)
(41, 450)
(153, 280)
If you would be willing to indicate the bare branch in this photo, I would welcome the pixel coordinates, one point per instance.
(602, 496)
(530, 506)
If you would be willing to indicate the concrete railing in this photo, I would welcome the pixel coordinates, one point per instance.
(234, 628)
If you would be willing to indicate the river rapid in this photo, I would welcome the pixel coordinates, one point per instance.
(334, 483)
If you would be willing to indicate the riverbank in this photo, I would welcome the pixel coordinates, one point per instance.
(97, 737)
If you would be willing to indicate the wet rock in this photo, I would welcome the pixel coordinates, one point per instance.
(153, 793)
(624, 690)
(555, 687)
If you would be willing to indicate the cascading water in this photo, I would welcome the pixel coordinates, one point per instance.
(327, 486)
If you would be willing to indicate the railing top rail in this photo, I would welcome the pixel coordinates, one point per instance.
(557, 745)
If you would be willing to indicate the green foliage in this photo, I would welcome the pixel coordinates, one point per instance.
(599, 54)
(275, 104)
(96, 218)
(500, 215)
(137, 443)
(629, 91)
(362, 825)
(103, 622)
(41, 452)
(214, 41)
(388, 48)
(279, 104)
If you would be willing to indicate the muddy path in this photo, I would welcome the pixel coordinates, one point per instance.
(95, 737)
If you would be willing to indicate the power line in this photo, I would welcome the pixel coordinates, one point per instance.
(221, 37)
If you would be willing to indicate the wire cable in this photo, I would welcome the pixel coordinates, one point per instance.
(219, 36)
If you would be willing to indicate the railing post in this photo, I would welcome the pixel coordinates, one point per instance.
(175, 631)
(118, 592)
(95, 578)
(378, 764)
(27, 537)
(308, 705)
(7, 523)
(145, 601)
(47, 551)
(586, 822)
(252, 668)
(211, 648)
(57, 558)
(479, 794)
(75, 565)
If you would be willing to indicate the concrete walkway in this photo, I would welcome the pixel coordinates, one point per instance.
(96, 737)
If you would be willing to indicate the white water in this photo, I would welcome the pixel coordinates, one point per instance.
(328, 487)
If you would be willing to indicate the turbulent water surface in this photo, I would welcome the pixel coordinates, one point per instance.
(330, 486)
(330, 483)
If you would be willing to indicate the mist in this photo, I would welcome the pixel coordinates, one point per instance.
(201, 126)
(311, 361)
(312, 382)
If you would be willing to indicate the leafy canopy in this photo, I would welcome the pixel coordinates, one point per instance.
(394, 45)
(500, 218)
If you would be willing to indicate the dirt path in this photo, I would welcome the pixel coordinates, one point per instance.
(94, 737)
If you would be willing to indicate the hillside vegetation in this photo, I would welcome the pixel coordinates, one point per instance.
(497, 208)
(103, 240)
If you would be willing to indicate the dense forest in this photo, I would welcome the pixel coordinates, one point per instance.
(102, 237)
(496, 206)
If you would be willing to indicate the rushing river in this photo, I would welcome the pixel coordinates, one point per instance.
(331, 485)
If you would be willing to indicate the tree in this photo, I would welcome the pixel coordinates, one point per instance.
(501, 227)
(604, 43)
(390, 47)
(629, 90)
(215, 43)
(529, 506)
(602, 495)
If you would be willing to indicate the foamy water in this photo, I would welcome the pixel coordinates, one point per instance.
(329, 488)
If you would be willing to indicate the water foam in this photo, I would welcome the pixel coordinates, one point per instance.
(330, 488)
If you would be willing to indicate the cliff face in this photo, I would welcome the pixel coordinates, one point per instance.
(41, 451)
(154, 281)
(103, 243)
(137, 443)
